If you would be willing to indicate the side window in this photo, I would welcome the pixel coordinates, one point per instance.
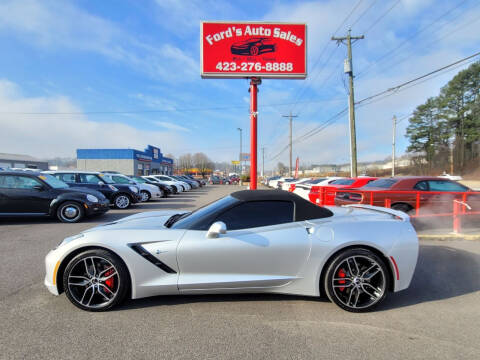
(257, 213)
(445, 185)
(89, 179)
(68, 178)
(421, 185)
(18, 182)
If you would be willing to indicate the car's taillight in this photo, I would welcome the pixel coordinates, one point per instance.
(292, 188)
(349, 196)
(314, 189)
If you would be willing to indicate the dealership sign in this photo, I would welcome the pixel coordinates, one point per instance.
(263, 50)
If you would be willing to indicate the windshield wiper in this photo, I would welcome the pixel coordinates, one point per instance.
(174, 218)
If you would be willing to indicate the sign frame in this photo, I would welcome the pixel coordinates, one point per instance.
(243, 75)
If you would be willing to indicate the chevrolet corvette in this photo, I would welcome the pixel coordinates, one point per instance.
(263, 241)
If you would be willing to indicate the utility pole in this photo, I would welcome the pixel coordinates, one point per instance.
(394, 125)
(290, 142)
(348, 68)
(263, 161)
(240, 154)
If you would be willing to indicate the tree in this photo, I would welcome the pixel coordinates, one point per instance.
(202, 163)
(282, 169)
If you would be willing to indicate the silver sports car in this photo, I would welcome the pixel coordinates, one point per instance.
(250, 241)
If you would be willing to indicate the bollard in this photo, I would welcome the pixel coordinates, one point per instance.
(457, 221)
(388, 203)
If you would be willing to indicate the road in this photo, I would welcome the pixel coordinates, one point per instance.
(436, 318)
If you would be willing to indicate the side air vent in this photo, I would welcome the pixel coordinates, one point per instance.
(139, 249)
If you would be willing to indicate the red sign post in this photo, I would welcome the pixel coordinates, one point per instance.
(253, 50)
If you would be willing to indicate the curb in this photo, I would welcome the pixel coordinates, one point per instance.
(452, 236)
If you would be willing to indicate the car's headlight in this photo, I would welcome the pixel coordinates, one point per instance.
(113, 187)
(92, 198)
(70, 238)
(133, 188)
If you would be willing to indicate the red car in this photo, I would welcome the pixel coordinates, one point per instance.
(316, 192)
(406, 193)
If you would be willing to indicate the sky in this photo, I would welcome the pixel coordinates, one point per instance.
(126, 73)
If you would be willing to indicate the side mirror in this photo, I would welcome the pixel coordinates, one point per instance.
(216, 229)
(38, 188)
(101, 183)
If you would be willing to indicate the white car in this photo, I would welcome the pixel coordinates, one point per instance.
(167, 178)
(304, 189)
(259, 241)
(286, 184)
(274, 183)
(175, 186)
(147, 191)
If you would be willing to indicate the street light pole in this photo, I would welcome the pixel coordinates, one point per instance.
(240, 154)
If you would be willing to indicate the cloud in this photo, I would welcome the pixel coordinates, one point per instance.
(56, 25)
(171, 126)
(60, 135)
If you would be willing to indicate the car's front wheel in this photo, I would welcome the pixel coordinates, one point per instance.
(357, 280)
(145, 195)
(96, 280)
(70, 212)
(121, 201)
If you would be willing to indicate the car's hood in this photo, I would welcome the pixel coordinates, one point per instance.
(84, 190)
(143, 221)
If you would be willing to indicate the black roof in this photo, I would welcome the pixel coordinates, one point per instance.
(304, 209)
(20, 172)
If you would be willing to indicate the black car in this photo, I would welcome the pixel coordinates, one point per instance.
(253, 46)
(120, 195)
(167, 190)
(34, 194)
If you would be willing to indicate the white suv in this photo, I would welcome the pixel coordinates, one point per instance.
(147, 191)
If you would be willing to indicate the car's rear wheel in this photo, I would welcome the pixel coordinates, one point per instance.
(121, 201)
(70, 212)
(357, 280)
(407, 209)
(145, 195)
(96, 280)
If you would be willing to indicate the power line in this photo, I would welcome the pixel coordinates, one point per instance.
(363, 13)
(375, 22)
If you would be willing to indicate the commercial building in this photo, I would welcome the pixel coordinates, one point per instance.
(125, 161)
(22, 161)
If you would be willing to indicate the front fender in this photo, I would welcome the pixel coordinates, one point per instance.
(80, 198)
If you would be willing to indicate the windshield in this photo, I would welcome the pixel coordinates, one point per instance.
(139, 179)
(105, 178)
(316, 181)
(198, 220)
(381, 183)
(53, 181)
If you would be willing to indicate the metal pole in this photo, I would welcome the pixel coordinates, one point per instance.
(253, 132)
(263, 161)
(351, 100)
(394, 119)
(240, 153)
(290, 143)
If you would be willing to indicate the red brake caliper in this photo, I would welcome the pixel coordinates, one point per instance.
(110, 282)
(341, 274)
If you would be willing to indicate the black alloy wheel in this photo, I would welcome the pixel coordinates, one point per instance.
(70, 212)
(357, 280)
(96, 280)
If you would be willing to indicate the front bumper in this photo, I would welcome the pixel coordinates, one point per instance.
(156, 196)
(52, 263)
(97, 208)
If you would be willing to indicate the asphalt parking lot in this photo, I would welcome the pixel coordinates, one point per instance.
(436, 318)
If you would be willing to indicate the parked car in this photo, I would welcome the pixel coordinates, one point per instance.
(249, 241)
(190, 178)
(214, 179)
(304, 189)
(436, 194)
(120, 195)
(35, 194)
(166, 189)
(176, 188)
(147, 192)
(193, 183)
(181, 186)
(344, 183)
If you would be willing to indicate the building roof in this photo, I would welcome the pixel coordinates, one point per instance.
(19, 157)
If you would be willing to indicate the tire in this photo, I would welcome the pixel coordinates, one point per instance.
(175, 189)
(254, 50)
(122, 201)
(70, 212)
(402, 207)
(366, 281)
(83, 284)
(145, 195)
